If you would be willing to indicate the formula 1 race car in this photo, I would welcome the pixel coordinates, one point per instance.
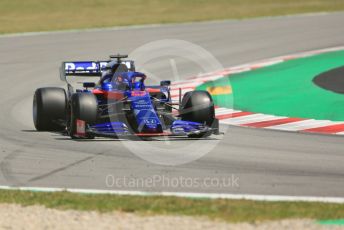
(120, 104)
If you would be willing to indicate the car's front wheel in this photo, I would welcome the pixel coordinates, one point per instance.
(198, 106)
(83, 109)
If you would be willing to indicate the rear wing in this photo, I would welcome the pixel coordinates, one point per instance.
(87, 68)
(82, 68)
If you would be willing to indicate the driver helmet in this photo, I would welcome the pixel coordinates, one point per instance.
(137, 85)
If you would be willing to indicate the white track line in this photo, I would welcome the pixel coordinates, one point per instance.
(208, 78)
(300, 125)
(339, 200)
(262, 119)
(340, 133)
(266, 63)
(247, 119)
(185, 84)
(221, 111)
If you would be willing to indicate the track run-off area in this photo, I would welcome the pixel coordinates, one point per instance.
(280, 93)
(262, 162)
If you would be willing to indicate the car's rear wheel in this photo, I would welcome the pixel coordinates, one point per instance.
(49, 109)
(83, 109)
(198, 106)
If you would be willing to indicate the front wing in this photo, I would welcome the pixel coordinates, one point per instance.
(120, 129)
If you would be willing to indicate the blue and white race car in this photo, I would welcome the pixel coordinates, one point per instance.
(120, 104)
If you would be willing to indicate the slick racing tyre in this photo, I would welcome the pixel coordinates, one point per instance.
(198, 106)
(83, 107)
(49, 109)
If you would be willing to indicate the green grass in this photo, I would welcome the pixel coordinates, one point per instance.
(44, 15)
(228, 210)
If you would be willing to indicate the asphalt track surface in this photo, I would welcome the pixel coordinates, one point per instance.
(331, 80)
(266, 162)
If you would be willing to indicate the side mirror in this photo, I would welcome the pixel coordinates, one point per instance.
(165, 83)
(89, 85)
